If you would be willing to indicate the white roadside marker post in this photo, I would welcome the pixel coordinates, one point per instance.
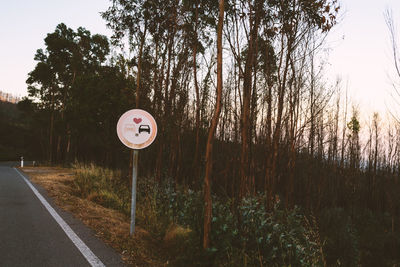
(22, 162)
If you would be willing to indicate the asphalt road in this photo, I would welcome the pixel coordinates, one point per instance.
(31, 236)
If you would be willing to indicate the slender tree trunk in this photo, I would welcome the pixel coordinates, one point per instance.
(155, 80)
(68, 149)
(213, 127)
(139, 68)
(335, 140)
(57, 157)
(268, 141)
(344, 133)
(245, 179)
(51, 129)
(68, 129)
(196, 86)
(294, 103)
(277, 132)
(159, 161)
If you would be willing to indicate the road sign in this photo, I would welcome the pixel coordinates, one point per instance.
(136, 129)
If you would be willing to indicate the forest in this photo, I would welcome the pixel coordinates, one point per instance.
(271, 155)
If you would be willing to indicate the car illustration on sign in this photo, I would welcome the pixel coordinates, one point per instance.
(144, 128)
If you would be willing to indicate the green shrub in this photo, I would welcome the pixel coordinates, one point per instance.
(244, 236)
(278, 238)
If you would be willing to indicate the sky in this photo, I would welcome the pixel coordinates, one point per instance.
(359, 46)
(361, 54)
(25, 23)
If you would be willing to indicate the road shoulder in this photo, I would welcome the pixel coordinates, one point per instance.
(84, 217)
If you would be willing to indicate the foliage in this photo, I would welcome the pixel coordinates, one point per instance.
(354, 125)
(279, 238)
(244, 236)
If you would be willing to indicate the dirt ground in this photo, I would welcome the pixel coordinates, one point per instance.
(109, 225)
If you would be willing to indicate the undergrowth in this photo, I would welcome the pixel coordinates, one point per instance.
(243, 234)
(103, 186)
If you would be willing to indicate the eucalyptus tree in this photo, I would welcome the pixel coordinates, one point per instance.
(268, 43)
(265, 40)
(293, 20)
(211, 132)
(173, 33)
(199, 19)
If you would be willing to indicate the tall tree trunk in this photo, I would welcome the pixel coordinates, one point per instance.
(196, 86)
(268, 141)
(57, 157)
(51, 129)
(271, 172)
(245, 183)
(213, 127)
(293, 105)
(68, 148)
(344, 132)
(139, 67)
(159, 160)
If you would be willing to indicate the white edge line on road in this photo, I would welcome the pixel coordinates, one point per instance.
(85, 250)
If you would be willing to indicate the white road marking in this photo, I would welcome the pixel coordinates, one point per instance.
(85, 250)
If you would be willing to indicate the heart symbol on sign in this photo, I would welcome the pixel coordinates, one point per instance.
(137, 120)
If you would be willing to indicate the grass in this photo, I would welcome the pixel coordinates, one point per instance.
(110, 189)
(102, 186)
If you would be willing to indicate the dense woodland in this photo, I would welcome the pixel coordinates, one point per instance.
(16, 138)
(243, 107)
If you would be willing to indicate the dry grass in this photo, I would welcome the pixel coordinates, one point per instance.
(110, 225)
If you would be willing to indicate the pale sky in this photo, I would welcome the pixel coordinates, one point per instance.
(360, 47)
(361, 52)
(25, 23)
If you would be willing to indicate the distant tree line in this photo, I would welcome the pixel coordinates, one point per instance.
(16, 135)
(7, 97)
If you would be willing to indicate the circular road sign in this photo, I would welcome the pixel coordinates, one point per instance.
(136, 129)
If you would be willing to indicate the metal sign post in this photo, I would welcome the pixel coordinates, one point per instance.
(134, 179)
(136, 129)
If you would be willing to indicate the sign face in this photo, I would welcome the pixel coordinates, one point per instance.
(136, 129)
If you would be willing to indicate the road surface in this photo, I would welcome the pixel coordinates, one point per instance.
(33, 233)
